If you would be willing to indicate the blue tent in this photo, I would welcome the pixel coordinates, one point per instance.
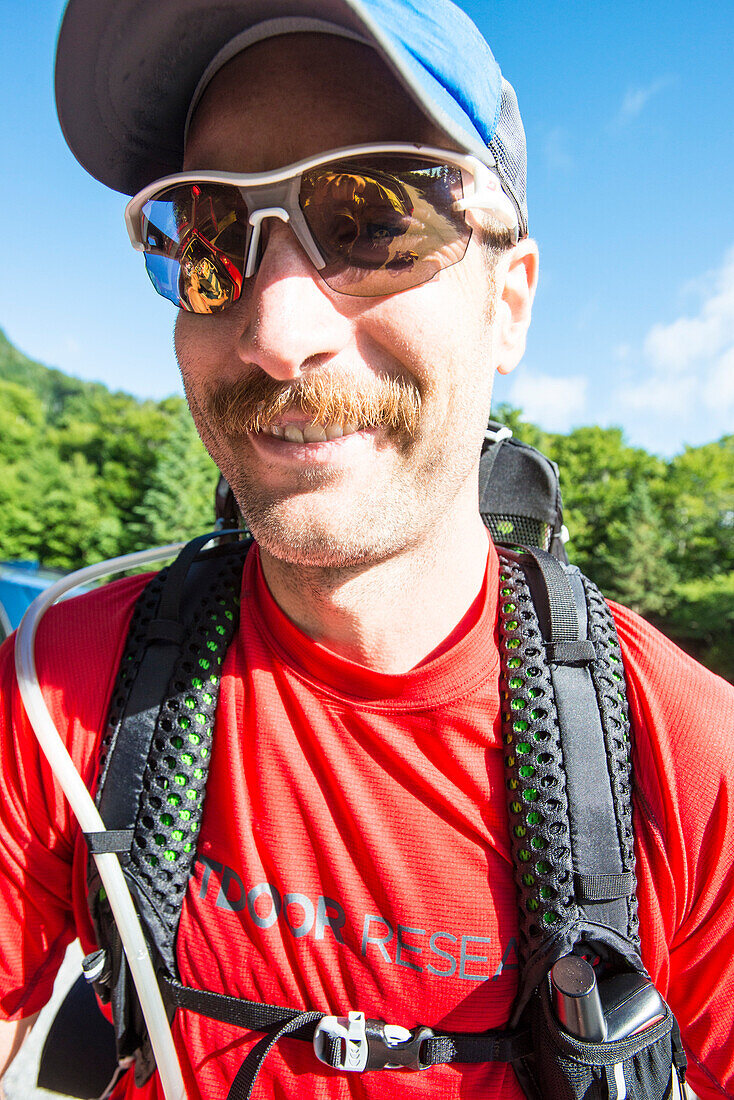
(20, 583)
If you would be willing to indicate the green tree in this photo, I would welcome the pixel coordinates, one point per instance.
(601, 483)
(640, 574)
(701, 620)
(697, 504)
(178, 502)
(21, 421)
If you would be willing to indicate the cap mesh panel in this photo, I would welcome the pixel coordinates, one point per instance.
(508, 146)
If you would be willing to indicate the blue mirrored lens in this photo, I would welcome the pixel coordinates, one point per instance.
(163, 273)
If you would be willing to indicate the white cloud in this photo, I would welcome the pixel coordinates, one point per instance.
(555, 403)
(718, 391)
(687, 340)
(690, 361)
(636, 99)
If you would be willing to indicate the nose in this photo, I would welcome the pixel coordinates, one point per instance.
(290, 321)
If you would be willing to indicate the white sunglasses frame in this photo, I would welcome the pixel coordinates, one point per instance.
(275, 194)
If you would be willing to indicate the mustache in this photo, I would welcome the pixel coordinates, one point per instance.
(256, 400)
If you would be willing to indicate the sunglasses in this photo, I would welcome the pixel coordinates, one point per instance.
(372, 219)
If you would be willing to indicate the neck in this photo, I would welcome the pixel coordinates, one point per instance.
(391, 614)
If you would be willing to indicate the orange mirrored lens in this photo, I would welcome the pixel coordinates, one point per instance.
(386, 225)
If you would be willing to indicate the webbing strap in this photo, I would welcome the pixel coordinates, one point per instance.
(605, 887)
(252, 1015)
(435, 1050)
(563, 619)
(243, 1084)
(278, 1022)
(109, 840)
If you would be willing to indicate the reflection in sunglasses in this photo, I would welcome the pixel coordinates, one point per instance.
(404, 227)
(205, 283)
(355, 217)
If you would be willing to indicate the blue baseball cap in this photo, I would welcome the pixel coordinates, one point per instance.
(129, 73)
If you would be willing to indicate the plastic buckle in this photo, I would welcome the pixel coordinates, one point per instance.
(353, 1044)
(496, 435)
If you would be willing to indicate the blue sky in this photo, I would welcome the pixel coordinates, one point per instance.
(628, 111)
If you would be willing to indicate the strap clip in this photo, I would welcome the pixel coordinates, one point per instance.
(353, 1044)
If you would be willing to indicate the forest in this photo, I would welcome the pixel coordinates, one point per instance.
(88, 474)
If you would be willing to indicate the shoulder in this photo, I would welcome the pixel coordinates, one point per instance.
(682, 718)
(78, 648)
(675, 702)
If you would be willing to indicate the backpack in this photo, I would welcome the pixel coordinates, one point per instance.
(587, 1021)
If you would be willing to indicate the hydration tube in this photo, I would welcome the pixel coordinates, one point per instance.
(86, 812)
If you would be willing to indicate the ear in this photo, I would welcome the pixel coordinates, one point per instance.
(517, 278)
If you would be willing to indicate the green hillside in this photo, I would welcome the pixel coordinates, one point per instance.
(87, 473)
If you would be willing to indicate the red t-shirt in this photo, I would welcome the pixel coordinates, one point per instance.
(354, 849)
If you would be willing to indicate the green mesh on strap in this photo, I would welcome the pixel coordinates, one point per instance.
(174, 782)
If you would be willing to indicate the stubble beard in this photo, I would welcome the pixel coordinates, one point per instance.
(316, 523)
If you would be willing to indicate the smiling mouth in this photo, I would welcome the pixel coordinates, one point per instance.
(309, 433)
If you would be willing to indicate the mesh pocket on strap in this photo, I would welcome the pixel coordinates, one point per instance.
(567, 1068)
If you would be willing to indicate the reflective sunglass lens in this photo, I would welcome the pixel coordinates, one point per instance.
(384, 226)
(195, 239)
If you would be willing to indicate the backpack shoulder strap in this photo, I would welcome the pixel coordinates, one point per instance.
(567, 763)
(155, 756)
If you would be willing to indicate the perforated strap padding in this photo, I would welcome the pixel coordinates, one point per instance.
(536, 782)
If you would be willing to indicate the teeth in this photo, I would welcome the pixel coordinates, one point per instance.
(314, 433)
(311, 433)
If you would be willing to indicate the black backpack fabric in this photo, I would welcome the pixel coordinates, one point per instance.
(568, 786)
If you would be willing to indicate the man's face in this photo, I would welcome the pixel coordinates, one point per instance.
(365, 495)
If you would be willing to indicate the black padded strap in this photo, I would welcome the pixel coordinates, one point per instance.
(121, 788)
(560, 600)
(165, 630)
(591, 808)
(109, 840)
(119, 797)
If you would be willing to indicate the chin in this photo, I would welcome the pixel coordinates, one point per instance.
(296, 533)
(314, 548)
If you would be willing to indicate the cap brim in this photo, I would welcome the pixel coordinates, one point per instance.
(126, 72)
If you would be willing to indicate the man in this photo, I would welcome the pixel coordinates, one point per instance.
(354, 852)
